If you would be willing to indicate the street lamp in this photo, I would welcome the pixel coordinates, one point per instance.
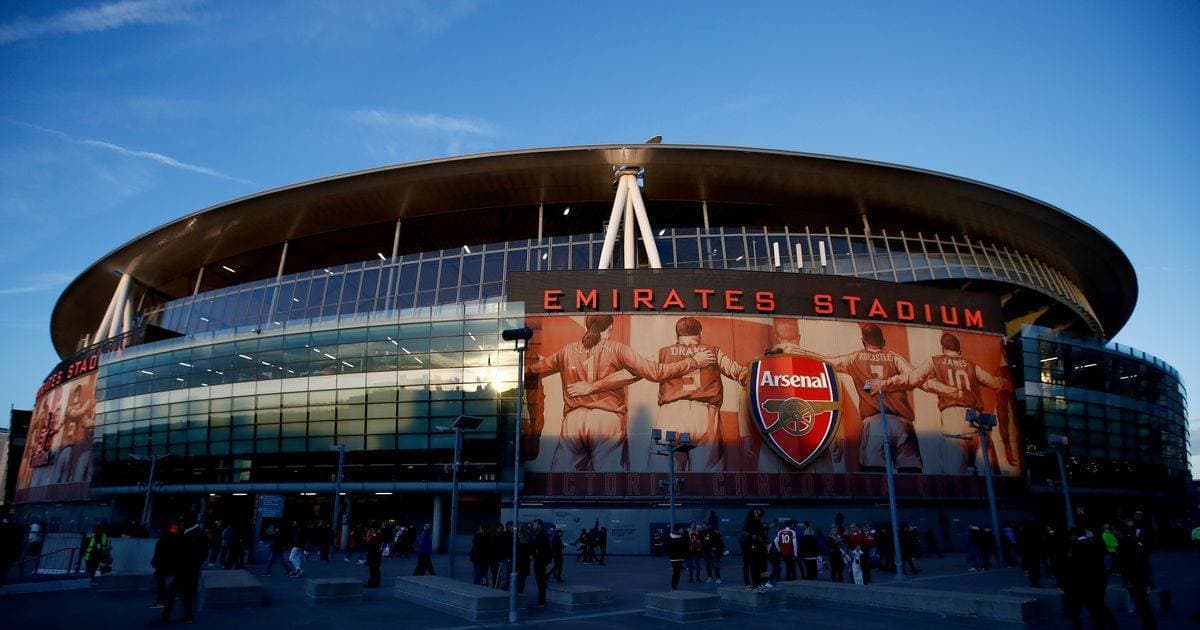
(674, 443)
(983, 422)
(891, 482)
(520, 338)
(337, 496)
(150, 484)
(460, 424)
(1058, 444)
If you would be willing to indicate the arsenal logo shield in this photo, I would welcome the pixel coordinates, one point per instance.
(796, 403)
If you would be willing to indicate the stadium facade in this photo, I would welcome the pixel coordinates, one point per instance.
(743, 296)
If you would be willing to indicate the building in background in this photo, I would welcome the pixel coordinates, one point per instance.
(242, 343)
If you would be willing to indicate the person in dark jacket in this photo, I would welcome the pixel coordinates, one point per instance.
(373, 553)
(808, 552)
(556, 551)
(159, 561)
(714, 550)
(1029, 549)
(184, 558)
(425, 552)
(677, 551)
(539, 550)
(480, 549)
(754, 550)
(501, 545)
(524, 550)
(1083, 580)
(1133, 561)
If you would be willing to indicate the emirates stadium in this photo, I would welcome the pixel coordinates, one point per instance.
(794, 320)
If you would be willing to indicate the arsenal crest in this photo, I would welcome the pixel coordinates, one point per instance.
(796, 403)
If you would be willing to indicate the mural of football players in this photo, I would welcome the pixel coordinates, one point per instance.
(875, 362)
(967, 379)
(690, 403)
(593, 434)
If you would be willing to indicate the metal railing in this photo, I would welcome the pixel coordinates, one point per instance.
(65, 561)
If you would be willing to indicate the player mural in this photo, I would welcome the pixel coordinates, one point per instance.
(57, 464)
(764, 394)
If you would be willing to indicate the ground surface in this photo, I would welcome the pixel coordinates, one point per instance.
(629, 577)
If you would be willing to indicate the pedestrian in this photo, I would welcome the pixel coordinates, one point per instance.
(425, 552)
(677, 551)
(279, 539)
(908, 549)
(501, 544)
(859, 540)
(714, 550)
(694, 553)
(931, 543)
(1083, 580)
(974, 548)
(373, 555)
(480, 547)
(1029, 549)
(35, 539)
(97, 549)
(751, 546)
(856, 566)
(159, 561)
(786, 543)
(808, 550)
(837, 555)
(584, 545)
(944, 525)
(987, 547)
(556, 551)
(539, 543)
(1008, 542)
(1111, 546)
(296, 556)
(524, 555)
(714, 522)
(10, 544)
(1133, 562)
(185, 558)
(602, 543)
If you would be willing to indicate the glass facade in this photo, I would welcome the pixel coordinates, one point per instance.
(479, 272)
(240, 406)
(1123, 412)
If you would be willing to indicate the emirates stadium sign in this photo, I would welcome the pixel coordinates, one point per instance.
(795, 403)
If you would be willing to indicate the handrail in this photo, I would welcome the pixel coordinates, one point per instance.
(72, 565)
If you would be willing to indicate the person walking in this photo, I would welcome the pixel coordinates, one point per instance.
(837, 555)
(786, 543)
(908, 549)
(677, 551)
(556, 552)
(279, 538)
(296, 556)
(1083, 580)
(96, 549)
(159, 561)
(931, 543)
(602, 543)
(480, 547)
(524, 555)
(373, 555)
(808, 551)
(754, 549)
(425, 551)
(694, 553)
(1133, 562)
(1029, 550)
(987, 547)
(501, 541)
(1111, 546)
(714, 549)
(539, 543)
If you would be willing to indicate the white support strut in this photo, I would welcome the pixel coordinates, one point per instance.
(629, 208)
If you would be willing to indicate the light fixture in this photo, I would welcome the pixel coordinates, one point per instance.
(308, 494)
(296, 300)
(239, 494)
(203, 318)
(228, 268)
(178, 379)
(383, 494)
(147, 372)
(466, 250)
(380, 255)
(347, 364)
(738, 259)
(1049, 359)
(186, 365)
(329, 356)
(404, 349)
(246, 357)
(544, 255)
(317, 350)
(203, 384)
(394, 342)
(662, 231)
(328, 271)
(418, 361)
(566, 211)
(265, 363)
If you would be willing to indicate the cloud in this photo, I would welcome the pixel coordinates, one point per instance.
(38, 283)
(422, 122)
(102, 17)
(165, 160)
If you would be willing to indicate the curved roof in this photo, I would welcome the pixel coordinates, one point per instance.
(886, 192)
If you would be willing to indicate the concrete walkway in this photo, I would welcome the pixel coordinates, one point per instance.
(629, 577)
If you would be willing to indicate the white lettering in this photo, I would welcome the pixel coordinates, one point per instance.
(793, 380)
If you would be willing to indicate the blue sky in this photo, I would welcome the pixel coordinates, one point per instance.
(116, 117)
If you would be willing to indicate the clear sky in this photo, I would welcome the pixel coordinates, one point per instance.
(116, 117)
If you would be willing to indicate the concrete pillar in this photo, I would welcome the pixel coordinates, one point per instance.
(437, 522)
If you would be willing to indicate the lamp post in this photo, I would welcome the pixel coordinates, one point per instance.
(1058, 444)
(983, 423)
(891, 482)
(335, 526)
(153, 459)
(460, 424)
(674, 443)
(520, 338)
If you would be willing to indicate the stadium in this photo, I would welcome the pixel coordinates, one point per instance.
(745, 297)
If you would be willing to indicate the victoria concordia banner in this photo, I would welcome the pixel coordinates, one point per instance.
(773, 400)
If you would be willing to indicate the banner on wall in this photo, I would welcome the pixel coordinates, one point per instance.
(779, 400)
(57, 462)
